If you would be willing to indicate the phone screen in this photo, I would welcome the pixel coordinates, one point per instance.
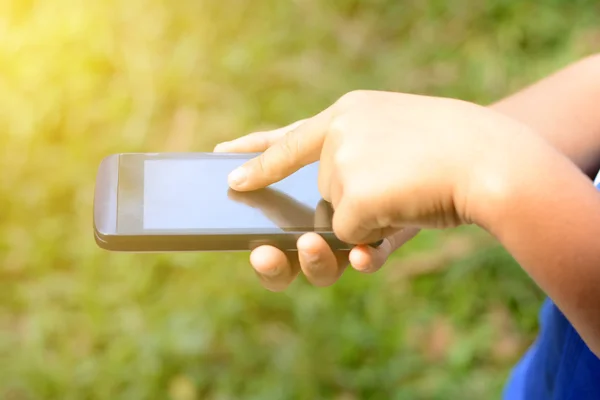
(192, 194)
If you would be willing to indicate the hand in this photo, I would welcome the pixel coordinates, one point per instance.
(389, 162)
(320, 265)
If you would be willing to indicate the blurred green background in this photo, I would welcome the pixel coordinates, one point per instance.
(446, 318)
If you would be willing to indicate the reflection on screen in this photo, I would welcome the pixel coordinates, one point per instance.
(193, 194)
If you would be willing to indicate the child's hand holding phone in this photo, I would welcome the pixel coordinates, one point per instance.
(391, 161)
(390, 164)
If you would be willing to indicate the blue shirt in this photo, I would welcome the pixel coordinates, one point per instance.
(559, 365)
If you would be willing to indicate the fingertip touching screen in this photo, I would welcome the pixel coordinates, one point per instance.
(158, 194)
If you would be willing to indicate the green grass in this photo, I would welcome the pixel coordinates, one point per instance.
(447, 317)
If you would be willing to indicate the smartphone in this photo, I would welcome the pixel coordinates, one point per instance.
(163, 202)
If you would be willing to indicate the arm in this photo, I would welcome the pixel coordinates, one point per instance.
(559, 107)
(546, 213)
(483, 168)
(551, 225)
(565, 109)
(561, 213)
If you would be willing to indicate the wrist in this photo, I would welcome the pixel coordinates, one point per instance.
(521, 173)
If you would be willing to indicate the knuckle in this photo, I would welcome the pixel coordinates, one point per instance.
(290, 147)
(269, 163)
(338, 126)
(393, 241)
(343, 159)
(263, 140)
(353, 97)
(261, 165)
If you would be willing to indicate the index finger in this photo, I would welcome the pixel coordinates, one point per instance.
(296, 149)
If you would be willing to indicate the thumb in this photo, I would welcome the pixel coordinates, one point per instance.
(355, 222)
(299, 147)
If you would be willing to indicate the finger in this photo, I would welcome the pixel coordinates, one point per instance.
(255, 142)
(321, 266)
(274, 268)
(367, 259)
(355, 219)
(299, 147)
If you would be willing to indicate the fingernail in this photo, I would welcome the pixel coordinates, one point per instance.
(237, 177)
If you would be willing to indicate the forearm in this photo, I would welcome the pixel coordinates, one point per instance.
(565, 109)
(546, 213)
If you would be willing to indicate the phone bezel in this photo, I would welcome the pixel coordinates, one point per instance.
(111, 232)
